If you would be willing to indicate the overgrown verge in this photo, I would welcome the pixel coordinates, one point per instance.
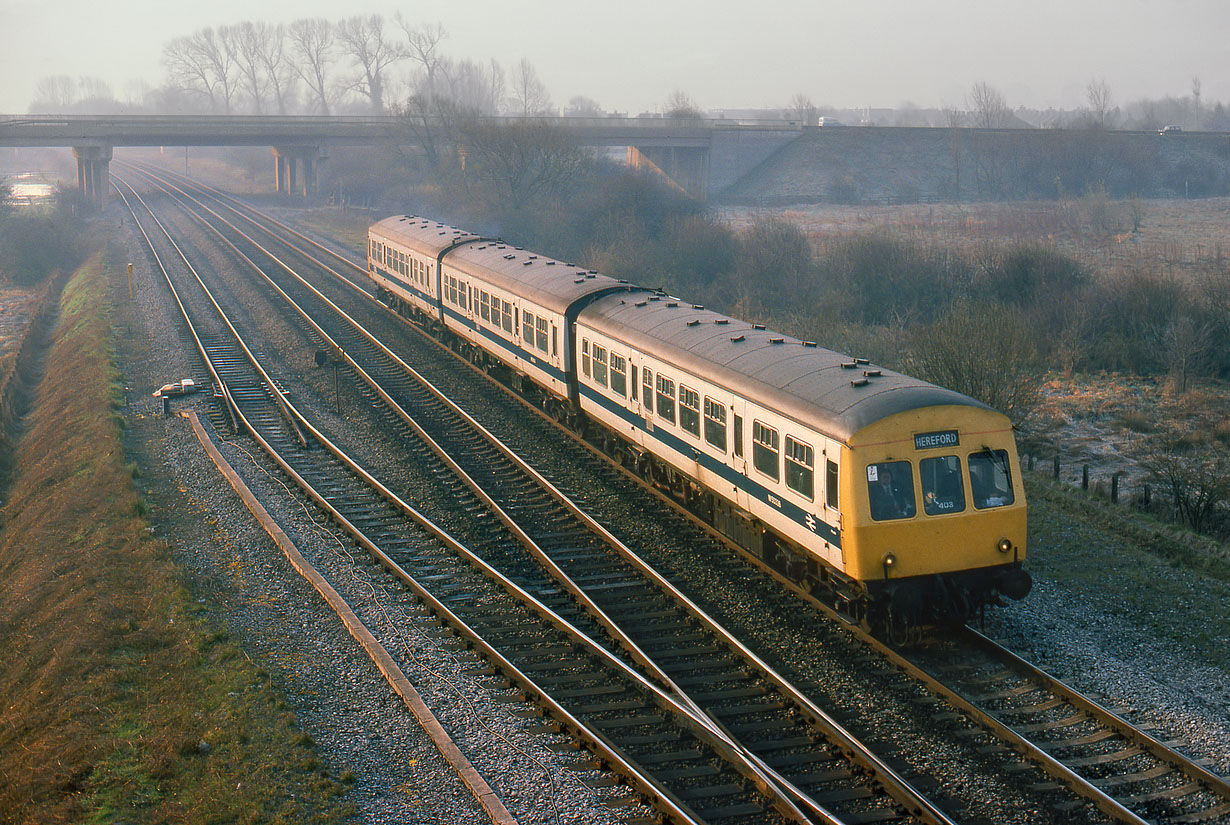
(1152, 575)
(120, 702)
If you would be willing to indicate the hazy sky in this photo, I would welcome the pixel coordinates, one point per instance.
(630, 56)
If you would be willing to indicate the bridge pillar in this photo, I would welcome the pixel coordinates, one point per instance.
(686, 168)
(296, 169)
(94, 173)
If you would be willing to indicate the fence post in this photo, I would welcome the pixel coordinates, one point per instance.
(1114, 488)
(1085, 477)
(1056, 466)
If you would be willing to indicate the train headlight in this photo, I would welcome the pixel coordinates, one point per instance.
(1005, 545)
(889, 561)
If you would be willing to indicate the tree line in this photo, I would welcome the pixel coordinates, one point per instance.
(360, 64)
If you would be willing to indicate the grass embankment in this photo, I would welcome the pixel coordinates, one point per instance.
(120, 702)
(1154, 576)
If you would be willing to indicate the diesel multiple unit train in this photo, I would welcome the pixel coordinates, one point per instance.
(897, 500)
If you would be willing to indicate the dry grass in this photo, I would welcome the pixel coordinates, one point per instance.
(110, 680)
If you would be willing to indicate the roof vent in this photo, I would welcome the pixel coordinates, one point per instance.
(550, 263)
(871, 373)
(533, 257)
(720, 321)
(508, 257)
(693, 322)
(638, 303)
(591, 276)
(859, 382)
(527, 263)
(809, 343)
(848, 365)
(579, 281)
(673, 304)
(736, 339)
(698, 306)
(757, 326)
(655, 297)
(861, 361)
(777, 340)
(593, 272)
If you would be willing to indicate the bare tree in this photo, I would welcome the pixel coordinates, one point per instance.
(275, 62)
(532, 98)
(53, 94)
(363, 39)
(249, 47)
(681, 105)
(581, 106)
(514, 162)
(1199, 483)
(314, 47)
(988, 107)
(201, 63)
(424, 38)
(803, 109)
(1100, 101)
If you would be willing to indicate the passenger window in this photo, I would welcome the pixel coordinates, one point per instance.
(738, 434)
(800, 461)
(890, 489)
(765, 450)
(990, 479)
(619, 375)
(600, 365)
(507, 317)
(942, 489)
(585, 357)
(689, 410)
(541, 340)
(830, 485)
(527, 331)
(715, 423)
(647, 383)
(484, 306)
(666, 399)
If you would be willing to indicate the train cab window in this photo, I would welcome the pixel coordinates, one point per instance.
(506, 317)
(619, 375)
(830, 484)
(527, 332)
(600, 365)
(689, 410)
(942, 489)
(800, 463)
(715, 423)
(666, 399)
(738, 435)
(990, 479)
(765, 450)
(541, 340)
(585, 358)
(890, 489)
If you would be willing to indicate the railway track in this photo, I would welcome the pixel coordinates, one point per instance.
(745, 703)
(1116, 775)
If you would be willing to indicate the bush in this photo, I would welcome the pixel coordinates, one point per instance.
(33, 246)
(983, 351)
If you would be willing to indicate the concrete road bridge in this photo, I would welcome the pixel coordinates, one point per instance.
(697, 156)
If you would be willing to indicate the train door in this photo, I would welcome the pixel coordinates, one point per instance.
(738, 447)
